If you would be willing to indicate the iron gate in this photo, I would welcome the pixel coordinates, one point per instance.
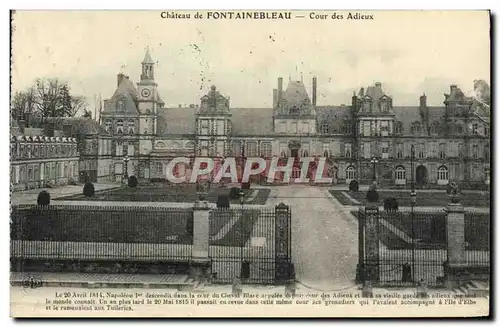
(251, 243)
(402, 248)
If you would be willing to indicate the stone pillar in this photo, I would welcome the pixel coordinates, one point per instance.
(372, 256)
(455, 230)
(200, 262)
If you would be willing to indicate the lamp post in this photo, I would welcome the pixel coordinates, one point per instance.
(126, 159)
(413, 197)
(374, 161)
(242, 200)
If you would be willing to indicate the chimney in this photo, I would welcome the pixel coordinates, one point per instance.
(453, 87)
(180, 105)
(67, 129)
(315, 84)
(280, 89)
(119, 78)
(378, 85)
(275, 98)
(362, 92)
(423, 101)
(191, 106)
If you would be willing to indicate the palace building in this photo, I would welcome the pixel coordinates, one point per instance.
(450, 142)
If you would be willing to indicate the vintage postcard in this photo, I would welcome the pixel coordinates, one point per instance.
(250, 163)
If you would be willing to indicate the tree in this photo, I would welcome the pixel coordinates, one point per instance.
(23, 105)
(87, 113)
(49, 93)
(70, 105)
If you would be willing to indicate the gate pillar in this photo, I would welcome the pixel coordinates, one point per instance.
(200, 262)
(371, 268)
(283, 263)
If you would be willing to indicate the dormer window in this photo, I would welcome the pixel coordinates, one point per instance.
(416, 128)
(366, 105)
(109, 125)
(384, 106)
(294, 110)
(120, 104)
(324, 128)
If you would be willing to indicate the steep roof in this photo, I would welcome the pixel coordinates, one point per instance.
(127, 92)
(147, 57)
(295, 94)
(333, 116)
(176, 121)
(252, 121)
(79, 125)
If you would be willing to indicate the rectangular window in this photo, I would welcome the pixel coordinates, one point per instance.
(130, 150)
(220, 148)
(475, 151)
(324, 128)
(367, 128)
(266, 150)
(385, 150)
(346, 127)
(347, 150)
(421, 151)
(252, 149)
(367, 153)
(119, 149)
(204, 127)
(326, 149)
(474, 128)
(236, 148)
(305, 128)
(294, 127)
(384, 128)
(442, 151)
(220, 127)
(282, 127)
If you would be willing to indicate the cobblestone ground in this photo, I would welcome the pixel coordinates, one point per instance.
(324, 237)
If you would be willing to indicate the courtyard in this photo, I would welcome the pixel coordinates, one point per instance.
(172, 193)
(424, 199)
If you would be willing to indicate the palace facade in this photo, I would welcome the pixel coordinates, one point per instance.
(450, 142)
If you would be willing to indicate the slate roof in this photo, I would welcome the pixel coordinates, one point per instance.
(334, 116)
(295, 94)
(252, 121)
(147, 58)
(176, 121)
(126, 91)
(79, 125)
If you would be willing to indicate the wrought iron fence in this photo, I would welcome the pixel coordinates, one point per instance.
(101, 233)
(409, 247)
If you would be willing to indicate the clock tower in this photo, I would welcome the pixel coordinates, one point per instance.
(148, 102)
(147, 87)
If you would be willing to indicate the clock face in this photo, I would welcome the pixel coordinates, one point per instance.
(145, 93)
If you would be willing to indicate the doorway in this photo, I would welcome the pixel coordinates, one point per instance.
(421, 176)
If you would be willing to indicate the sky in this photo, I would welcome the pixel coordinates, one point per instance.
(409, 52)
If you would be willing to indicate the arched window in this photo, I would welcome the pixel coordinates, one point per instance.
(442, 175)
(119, 126)
(350, 174)
(131, 126)
(400, 175)
(109, 125)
